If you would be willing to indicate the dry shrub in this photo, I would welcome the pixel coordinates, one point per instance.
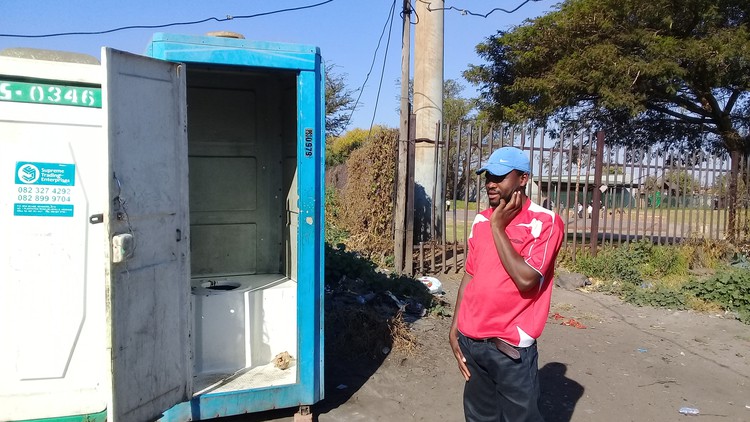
(700, 305)
(366, 202)
(357, 333)
(706, 253)
(403, 338)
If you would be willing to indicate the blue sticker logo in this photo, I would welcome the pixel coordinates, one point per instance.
(50, 174)
(28, 173)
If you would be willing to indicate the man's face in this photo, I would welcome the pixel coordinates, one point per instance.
(502, 187)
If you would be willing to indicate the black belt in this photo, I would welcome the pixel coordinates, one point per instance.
(501, 345)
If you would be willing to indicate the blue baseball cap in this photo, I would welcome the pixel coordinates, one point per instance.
(505, 159)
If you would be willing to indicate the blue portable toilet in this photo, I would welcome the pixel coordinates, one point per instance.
(256, 143)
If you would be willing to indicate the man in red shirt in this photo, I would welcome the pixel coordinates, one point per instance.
(504, 298)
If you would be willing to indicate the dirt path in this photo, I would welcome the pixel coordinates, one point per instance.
(628, 364)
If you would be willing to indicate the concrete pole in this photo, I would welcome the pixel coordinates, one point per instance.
(428, 108)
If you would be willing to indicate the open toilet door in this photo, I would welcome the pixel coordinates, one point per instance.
(148, 278)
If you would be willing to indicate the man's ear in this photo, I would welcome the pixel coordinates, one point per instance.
(524, 179)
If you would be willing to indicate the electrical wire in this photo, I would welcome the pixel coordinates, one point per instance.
(412, 9)
(382, 71)
(469, 12)
(372, 64)
(166, 25)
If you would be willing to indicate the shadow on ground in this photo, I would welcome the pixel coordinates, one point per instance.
(559, 393)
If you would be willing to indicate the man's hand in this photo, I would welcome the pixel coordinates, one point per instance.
(506, 211)
(453, 337)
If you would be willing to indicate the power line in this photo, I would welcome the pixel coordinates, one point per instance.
(166, 25)
(469, 12)
(372, 64)
(382, 71)
(413, 10)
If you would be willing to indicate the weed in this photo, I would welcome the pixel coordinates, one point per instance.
(666, 260)
(730, 289)
(333, 233)
(651, 275)
(341, 263)
(621, 263)
(705, 253)
(656, 295)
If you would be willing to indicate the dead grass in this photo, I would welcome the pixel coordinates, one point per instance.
(404, 340)
(700, 305)
(354, 331)
(563, 307)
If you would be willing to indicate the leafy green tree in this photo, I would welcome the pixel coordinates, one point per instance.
(673, 182)
(339, 148)
(720, 188)
(340, 102)
(456, 110)
(455, 107)
(644, 71)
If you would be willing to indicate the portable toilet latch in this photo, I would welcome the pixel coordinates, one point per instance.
(96, 218)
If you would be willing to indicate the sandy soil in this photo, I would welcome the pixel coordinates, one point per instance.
(628, 364)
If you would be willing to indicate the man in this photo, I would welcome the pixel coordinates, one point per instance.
(504, 298)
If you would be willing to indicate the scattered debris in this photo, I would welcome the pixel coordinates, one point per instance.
(362, 299)
(283, 360)
(570, 322)
(571, 281)
(433, 284)
(689, 411)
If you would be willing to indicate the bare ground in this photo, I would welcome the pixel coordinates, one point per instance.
(628, 364)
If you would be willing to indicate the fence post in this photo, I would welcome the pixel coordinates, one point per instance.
(594, 239)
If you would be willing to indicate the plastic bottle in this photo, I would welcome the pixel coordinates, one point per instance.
(689, 411)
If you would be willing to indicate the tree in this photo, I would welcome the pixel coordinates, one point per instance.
(339, 148)
(340, 102)
(673, 182)
(644, 71)
(455, 107)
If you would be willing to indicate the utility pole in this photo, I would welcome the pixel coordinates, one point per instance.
(400, 252)
(428, 108)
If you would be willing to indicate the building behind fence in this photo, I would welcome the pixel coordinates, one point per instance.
(605, 194)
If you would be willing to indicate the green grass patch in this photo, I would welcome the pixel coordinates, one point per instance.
(460, 205)
(457, 232)
(730, 289)
(645, 274)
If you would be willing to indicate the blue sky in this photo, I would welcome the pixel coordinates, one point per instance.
(347, 32)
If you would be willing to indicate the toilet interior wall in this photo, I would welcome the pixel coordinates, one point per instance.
(242, 159)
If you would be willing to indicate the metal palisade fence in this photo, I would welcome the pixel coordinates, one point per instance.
(605, 194)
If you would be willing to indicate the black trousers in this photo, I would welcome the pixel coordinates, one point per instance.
(500, 389)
